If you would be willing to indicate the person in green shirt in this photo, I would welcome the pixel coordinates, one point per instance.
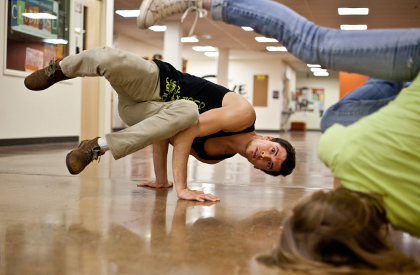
(376, 164)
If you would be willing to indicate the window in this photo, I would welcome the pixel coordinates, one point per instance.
(37, 31)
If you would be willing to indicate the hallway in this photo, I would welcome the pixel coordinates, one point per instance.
(100, 222)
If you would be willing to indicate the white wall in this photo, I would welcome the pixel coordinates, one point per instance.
(332, 93)
(54, 112)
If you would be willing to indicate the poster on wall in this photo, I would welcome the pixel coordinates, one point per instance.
(33, 60)
(309, 100)
(25, 13)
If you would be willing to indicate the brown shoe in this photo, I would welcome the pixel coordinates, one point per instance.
(44, 78)
(78, 159)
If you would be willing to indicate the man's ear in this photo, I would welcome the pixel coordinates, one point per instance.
(267, 138)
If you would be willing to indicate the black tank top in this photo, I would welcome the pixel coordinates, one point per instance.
(198, 143)
(175, 85)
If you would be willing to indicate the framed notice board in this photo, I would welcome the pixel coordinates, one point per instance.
(260, 90)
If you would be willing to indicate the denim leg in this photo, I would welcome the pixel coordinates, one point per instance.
(392, 54)
(361, 102)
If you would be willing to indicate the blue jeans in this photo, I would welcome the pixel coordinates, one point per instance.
(392, 55)
(360, 102)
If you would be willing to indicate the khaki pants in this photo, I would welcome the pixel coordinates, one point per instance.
(136, 82)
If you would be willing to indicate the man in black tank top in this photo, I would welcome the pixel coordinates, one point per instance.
(163, 106)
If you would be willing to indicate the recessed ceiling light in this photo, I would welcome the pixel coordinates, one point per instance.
(204, 49)
(276, 49)
(211, 54)
(321, 74)
(248, 29)
(313, 65)
(128, 13)
(318, 70)
(157, 28)
(353, 11)
(34, 15)
(190, 39)
(55, 41)
(263, 39)
(353, 27)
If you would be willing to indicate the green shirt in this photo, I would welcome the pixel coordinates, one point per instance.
(381, 153)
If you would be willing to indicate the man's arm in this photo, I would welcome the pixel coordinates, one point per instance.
(236, 114)
(182, 147)
(160, 154)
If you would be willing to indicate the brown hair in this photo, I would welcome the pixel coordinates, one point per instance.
(338, 231)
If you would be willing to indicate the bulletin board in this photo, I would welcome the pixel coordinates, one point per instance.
(37, 31)
(309, 100)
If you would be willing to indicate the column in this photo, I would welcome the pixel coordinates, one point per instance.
(172, 46)
(223, 67)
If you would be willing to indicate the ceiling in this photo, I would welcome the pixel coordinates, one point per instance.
(382, 14)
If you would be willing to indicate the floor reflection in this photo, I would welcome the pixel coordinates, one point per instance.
(199, 235)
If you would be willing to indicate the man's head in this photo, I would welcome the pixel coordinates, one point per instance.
(274, 156)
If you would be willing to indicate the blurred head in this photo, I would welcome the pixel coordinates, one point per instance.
(274, 156)
(339, 230)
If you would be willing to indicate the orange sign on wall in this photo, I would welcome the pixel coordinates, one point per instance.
(350, 81)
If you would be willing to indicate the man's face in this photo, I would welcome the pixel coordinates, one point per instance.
(265, 154)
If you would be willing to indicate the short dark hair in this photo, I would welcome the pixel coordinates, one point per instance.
(289, 163)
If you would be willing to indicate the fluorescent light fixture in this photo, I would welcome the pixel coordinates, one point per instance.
(353, 27)
(128, 13)
(313, 65)
(321, 74)
(39, 15)
(190, 39)
(248, 29)
(157, 28)
(211, 54)
(353, 11)
(276, 49)
(318, 70)
(204, 49)
(263, 39)
(56, 41)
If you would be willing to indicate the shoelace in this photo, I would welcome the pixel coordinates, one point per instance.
(94, 153)
(199, 12)
(50, 70)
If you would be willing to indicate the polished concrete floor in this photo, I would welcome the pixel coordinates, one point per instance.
(99, 222)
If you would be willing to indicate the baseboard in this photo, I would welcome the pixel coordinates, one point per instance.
(42, 140)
